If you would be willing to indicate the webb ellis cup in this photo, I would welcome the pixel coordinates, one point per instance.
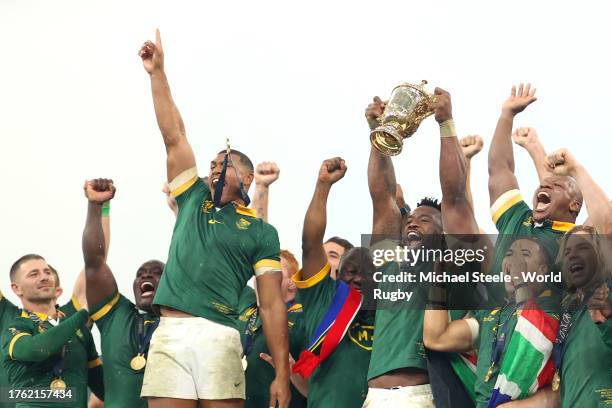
(408, 106)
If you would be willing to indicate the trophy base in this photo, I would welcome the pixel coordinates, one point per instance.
(387, 140)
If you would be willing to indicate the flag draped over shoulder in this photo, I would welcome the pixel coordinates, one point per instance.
(527, 364)
(464, 365)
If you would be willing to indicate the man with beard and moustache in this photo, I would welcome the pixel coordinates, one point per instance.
(259, 372)
(556, 202)
(217, 245)
(125, 328)
(398, 369)
(337, 329)
(48, 346)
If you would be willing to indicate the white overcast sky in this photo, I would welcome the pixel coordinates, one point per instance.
(285, 81)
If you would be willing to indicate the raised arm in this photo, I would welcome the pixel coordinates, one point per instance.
(266, 173)
(527, 138)
(501, 155)
(457, 212)
(273, 313)
(563, 163)
(382, 184)
(315, 221)
(100, 282)
(180, 156)
(470, 145)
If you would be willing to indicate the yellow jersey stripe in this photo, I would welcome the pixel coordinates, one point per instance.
(94, 363)
(249, 212)
(313, 280)
(504, 203)
(75, 303)
(105, 309)
(13, 341)
(265, 266)
(183, 181)
(562, 226)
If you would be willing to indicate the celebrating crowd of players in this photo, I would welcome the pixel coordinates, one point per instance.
(198, 336)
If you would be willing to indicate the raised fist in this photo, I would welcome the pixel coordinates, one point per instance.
(332, 170)
(266, 173)
(525, 136)
(562, 162)
(442, 106)
(471, 145)
(152, 55)
(519, 99)
(374, 112)
(99, 190)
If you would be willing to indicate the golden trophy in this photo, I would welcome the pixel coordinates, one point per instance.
(408, 106)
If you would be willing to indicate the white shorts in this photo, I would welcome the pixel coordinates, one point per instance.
(194, 358)
(416, 396)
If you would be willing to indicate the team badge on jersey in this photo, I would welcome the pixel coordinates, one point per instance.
(362, 335)
(242, 224)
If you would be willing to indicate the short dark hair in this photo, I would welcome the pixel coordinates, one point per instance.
(244, 159)
(15, 267)
(430, 202)
(340, 241)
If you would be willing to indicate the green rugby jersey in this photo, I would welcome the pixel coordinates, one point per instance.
(213, 253)
(488, 321)
(8, 313)
(340, 380)
(259, 374)
(80, 360)
(119, 322)
(398, 338)
(513, 219)
(586, 379)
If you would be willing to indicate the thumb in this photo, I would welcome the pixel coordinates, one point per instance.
(267, 358)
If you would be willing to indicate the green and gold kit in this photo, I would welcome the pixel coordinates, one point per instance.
(8, 313)
(213, 253)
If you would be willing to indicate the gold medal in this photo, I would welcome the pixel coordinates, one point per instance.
(57, 385)
(556, 381)
(488, 374)
(244, 363)
(138, 363)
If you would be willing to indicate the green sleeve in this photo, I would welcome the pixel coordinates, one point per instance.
(39, 347)
(268, 247)
(510, 212)
(109, 310)
(605, 329)
(316, 293)
(16, 329)
(7, 308)
(197, 191)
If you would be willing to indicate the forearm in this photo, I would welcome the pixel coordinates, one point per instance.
(453, 177)
(544, 398)
(597, 201)
(300, 384)
(44, 345)
(315, 220)
(381, 177)
(168, 117)
(538, 156)
(501, 155)
(274, 318)
(95, 381)
(468, 183)
(94, 242)
(260, 201)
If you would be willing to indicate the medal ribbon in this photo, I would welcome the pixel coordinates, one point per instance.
(249, 333)
(144, 335)
(501, 335)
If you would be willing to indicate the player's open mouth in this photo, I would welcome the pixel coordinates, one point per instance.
(147, 289)
(542, 201)
(576, 268)
(413, 236)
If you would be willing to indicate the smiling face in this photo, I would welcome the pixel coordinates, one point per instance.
(146, 282)
(35, 282)
(422, 227)
(580, 263)
(524, 255)
(236, 173)
(558, 199)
